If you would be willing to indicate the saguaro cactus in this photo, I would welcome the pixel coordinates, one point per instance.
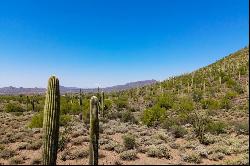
(94, 131)
(80, 98)
(27, 103)
(33, 103)
(51, 122)
(204, 86)
(102, 104)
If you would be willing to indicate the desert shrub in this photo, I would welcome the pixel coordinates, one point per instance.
(159, 151)
(113, 115)
(200, 121)
(185, 105)
(168, 122)
(75, 109)
(11, 107)
(65, 107)
(16, 160)
(36, 121)
(178, 131)
(152, 116)
(7, 153)
(225, 103)
(80, 153)
(216, 156)
(197, 95)
(230, 95)
(110, 146)
(119, 148)
(34, 145)
(242, 127)
(129, 155)
(230, 83)
(64, 120)
(1, 147)
(166, 102)
(241, 160)
(22, 146)
(117, 162)
(107, 104)
(242, 70)
(127, 116)
(129, 141)
(192, 157)
(209, 104)
(238, 88)
(216, 127)
(36, 161)
(121, 103)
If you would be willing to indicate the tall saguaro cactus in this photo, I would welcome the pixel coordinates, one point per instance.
(27, 103)
(80, 98)
(51, 122)
(102, 104)
(94, 131)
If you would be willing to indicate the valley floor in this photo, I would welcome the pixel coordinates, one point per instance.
(21, 145)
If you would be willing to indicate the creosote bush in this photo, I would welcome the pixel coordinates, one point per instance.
(11, 107)
(129, 141)
(178, 131)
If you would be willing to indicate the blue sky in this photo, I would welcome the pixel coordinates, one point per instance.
(102, 43)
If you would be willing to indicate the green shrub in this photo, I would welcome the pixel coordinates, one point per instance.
(209, 104)
(197, 95)
(230, 95)
(107, 104)
(36, 121)
(65, 120)
(200, 122)
(75, 109)
(152, 116)
(121, 103)
(242, 127)
(225, 103)
(178, 131)
(129, 141)
(192, 157)
(159, 151)
(185, 105)
(166, 102)
(127, 116)
(230, 83)
(10, 107)
(168, 122)
(216, 127)
(238, 88)
(128, 155)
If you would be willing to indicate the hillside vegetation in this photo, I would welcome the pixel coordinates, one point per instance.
(200, 118)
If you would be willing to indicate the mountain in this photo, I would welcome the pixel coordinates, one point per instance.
(63, 89)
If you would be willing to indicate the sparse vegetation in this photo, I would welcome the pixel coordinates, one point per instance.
(176, 121)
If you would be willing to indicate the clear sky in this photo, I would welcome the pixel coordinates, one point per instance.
(90, 43)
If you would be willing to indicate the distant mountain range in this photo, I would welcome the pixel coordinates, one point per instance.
(63, 90)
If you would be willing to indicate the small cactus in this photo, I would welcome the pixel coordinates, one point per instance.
(94, 131)
(51, 122)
